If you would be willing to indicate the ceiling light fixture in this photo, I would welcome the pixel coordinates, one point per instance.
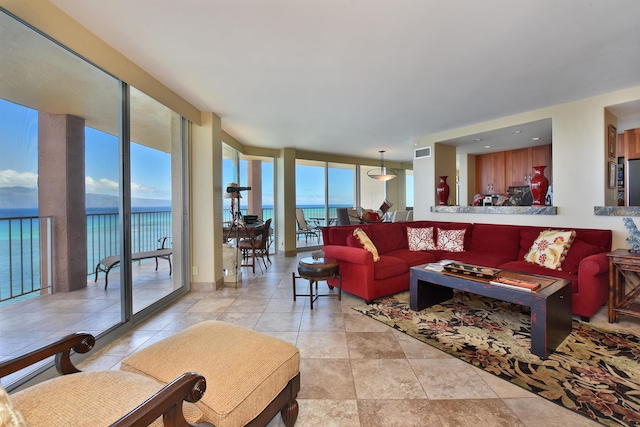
(382, 173)
(535, 138)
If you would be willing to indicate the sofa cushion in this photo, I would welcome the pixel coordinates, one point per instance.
(420, 239)
(388, 237)
(9, 415)
(75, 399)
(550, 248)
(579, 250)
(450, 240)
(366, 242)
(245, 369)
(413, 258)
(500, 240)
(389, 266)
(484, 259)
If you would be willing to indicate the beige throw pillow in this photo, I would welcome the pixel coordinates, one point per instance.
(360, 234)
(550, 248)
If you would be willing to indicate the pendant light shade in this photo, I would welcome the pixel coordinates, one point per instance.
(382, 173)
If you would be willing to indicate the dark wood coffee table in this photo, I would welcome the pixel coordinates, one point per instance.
(550, 306)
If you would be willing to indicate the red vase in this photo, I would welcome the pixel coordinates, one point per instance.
(443, 191)
(539, 184)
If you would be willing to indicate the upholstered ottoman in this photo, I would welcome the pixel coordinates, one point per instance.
(250, 376)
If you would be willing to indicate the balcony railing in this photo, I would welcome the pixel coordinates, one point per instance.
(25, 257)
(103, 237)
(25, 245)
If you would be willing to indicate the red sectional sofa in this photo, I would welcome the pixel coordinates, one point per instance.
(490, 245)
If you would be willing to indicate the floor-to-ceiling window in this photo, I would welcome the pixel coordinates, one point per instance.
(156, 203)
(409, 188)
(64, 120)
(310, 200)
(341, 189)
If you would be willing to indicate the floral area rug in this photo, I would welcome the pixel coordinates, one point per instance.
(594, 372)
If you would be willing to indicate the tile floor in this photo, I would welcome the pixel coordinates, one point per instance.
(355, 371)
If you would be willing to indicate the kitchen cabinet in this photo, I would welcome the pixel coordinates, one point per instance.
(490, 173)
(513, 168)
(632, 144)
(518, 167)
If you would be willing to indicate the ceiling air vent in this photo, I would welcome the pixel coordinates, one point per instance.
(422, 152)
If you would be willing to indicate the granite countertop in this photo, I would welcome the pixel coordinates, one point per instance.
(511, 210)
(616, 210)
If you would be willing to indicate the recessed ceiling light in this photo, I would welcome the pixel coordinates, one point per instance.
(536, 138)
(478, 139)
(487, 146)
(517, 131)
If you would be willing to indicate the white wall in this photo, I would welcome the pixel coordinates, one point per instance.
(579, 167)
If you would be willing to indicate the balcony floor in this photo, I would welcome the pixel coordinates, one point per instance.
(334, 368)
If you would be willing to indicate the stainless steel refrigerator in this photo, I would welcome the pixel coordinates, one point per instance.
(633, 184)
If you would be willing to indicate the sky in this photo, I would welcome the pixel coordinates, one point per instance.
(150, 168)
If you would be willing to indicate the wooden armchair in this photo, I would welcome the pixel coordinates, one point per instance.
(115, 398)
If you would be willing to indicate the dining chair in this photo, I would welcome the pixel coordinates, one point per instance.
(256, 247)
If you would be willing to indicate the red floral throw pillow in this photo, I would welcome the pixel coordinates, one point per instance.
(550, 248)
(420, 239)
(451, 240)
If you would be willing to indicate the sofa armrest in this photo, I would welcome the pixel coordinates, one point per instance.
(79, 342)
(348, 254)
(594, 265)
(167, 402)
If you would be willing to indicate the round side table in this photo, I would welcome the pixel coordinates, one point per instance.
(317, 270)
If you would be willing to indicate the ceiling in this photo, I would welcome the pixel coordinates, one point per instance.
(353, 76)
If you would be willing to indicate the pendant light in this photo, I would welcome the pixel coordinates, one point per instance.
(382, 173)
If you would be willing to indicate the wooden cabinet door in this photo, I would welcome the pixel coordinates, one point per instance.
(620, 145)
(490, 175)
(632, 144)
(518, 167)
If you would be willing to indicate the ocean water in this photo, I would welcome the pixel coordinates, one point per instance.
(20, 242)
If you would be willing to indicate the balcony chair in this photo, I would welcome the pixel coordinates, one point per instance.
(305, 228)
(257, 247)
(400, 216)
(99, 398)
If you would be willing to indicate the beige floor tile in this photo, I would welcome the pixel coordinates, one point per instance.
(385, 379)
(450, 379)
(476, 412)
(323, 345)
(317, 320)
(416, 349)
(327, 413)
(393, 413)
(326, 379)
(279, 322)
(373, 345)
(357, 322)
